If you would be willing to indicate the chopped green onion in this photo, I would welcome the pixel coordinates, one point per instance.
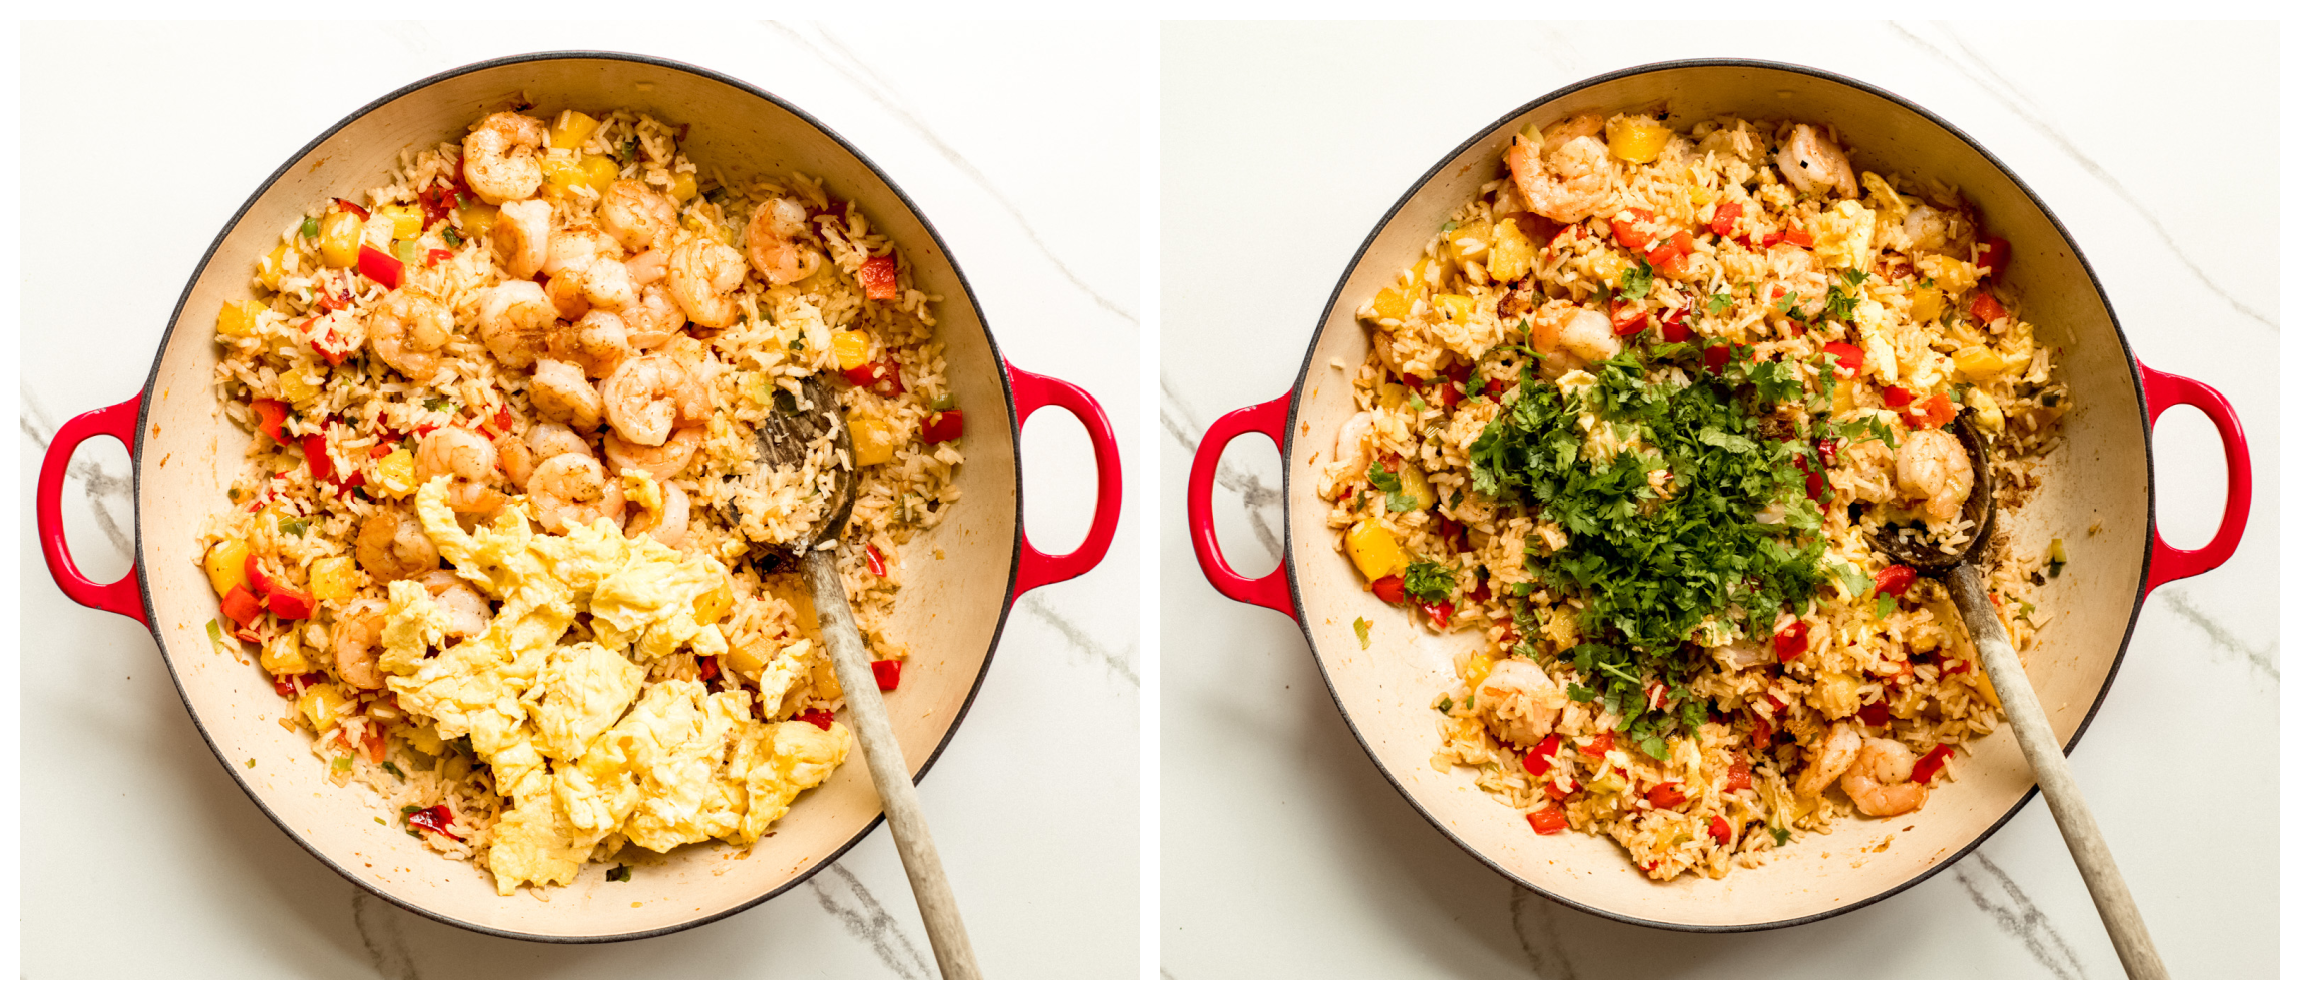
(295, 525)
(1445, 704)
(453, 236)
(395, 772)
(1449, 227)
(943, 403)
(340, 765)
(251, 762)
(1780, 836)
(1361, 625)
(404, 250)
(379, 821)
(619, 873)
(437, 404)
(310, 228)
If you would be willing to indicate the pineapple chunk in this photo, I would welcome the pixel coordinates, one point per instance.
(874, 441)
(285, 659)
(296, 386)
(571, 128)
(1979, 364)
(475, 217)
(1416, 486)
(333, 578)
(1453, 308)
(598, 172)
(1636, 138)
(339, 239)
(682, 186)
(1512, 254)
(238, 317)
(227, 565)
(1479, 666)
(1925, 304)
(850, 348)
(1374, 550)
(1389, 303)
(395, 473)
(712, 607)
(406, 220)
(273, 267)
(322, 704)
(1471, 242)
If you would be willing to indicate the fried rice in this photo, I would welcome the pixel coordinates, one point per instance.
(1634, 418)
(543, 351)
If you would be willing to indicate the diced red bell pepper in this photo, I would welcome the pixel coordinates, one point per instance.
(434, 819)
(1440, 612)
(352, 207)
(1737, 776)
(1666, 795)
(1816, 487)
(1497, 385)
(877, 562)
(258, 581)
(1672, 259)
(1537, 761)
(1452, 531)
(290, 605)
(1547, 821)
(1636, 228)
(888, 673)
(1714, 358)
(437, 201)
(1793, 237)
(1481, 593)
(1828, 448)
(1930, 764)
(242, 606)
(1986, 309)
(1897, 397)
(936, 428)
(1849, 357)
(1673, 328)
(1719, 830)
(1996, 252)
(380, 450)
(1458, 372)
(1559, 794)
(820, 718)
(296, 684)
(878, 277)
(1391, 589)
(503, 420)
(379, 267)
(1895, 580)
(1627, 319)
(437, 254)
(1875, 713)
(1760, 731)
(315, 458)
(1450, 395)
(707, 667)
(1791, 642)
(1600, 746)
(883, 376)
(273, 413)
(1936, 411)
(1726, 221)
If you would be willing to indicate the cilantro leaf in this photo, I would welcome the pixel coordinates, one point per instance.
(1718, 302)
(1637, 282)
(1384, 480)
(1429, 581)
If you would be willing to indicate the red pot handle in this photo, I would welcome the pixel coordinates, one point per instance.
(2163, 392)
(1032, 391)
(1269, 420)
(119, 596)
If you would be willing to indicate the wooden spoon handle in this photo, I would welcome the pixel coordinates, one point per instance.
(866, 712)
(2109, 895)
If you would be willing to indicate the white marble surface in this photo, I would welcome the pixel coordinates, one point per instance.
(141, 859)
(1284, 853)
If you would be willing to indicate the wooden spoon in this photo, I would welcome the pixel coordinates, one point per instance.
(785, 441)
(1970, 589)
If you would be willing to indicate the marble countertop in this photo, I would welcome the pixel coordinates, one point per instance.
(1285, 853)
(141, 859)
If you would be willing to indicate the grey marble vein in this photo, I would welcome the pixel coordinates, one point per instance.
(1116, 662)
(1260, 497)
(863, 917)
(2220, 634)
(1996, 85)
(1535, 921)
(101, 485)
(1995, 893)
(378, 926)
(851, 67)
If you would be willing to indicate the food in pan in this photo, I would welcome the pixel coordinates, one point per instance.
(502, 542)
(1634, 418)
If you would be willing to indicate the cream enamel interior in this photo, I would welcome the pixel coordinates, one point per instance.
(2099, 476)
(948, 612)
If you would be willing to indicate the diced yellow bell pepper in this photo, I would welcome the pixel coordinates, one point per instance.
(1925, 305)
(851, 348)
(1979, 363)
(395, 473)
(273, 267)
(1512, 254)
(682, 186)
(571, 128)
(238, 317)
(226, 565)
(406, 220)
(1453, 308)
(322, 704)
(1389, 303)
(1374, 550)
(562, 172)
(1480, 665)
(475, 217)
(749, 659)
(599, 172)
(287, 660)
(1636, 138)
(339, 239)
(296, 386)
(1470, 242)
(1416, 486)
(334, 578)
(874, 441)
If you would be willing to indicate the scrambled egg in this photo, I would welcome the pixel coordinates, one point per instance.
(581, 745)
(1841, 235)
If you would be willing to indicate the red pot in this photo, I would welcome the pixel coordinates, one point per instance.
(2101, 472)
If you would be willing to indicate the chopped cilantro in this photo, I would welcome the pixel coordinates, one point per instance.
(1363, 628)
(1857, 583)
(1780, 836)
(1886, 605)
(394, 770)
(1524, 327)
(233, 493)
(1579, 693)
(1429, 581)
(1476, 385)
(1841, 302)
(1718, 302)
(1384, 479)
(251, 762)
(453, 236)
(1654, 747)
(437, 404)
(1401, 502)
(1637, 282)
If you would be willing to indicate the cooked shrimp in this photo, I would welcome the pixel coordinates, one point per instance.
(638, 216)
(575, 249)
(1568, 177)
(514, 318)
(1878, 782)
(1743, 654)
(704, 274)
(355, 638)
(392, 546)
(664, 461)
(467, 610)
(559, 392)
(649, 267)
(653, 318)
(410, 331)
(1835, 755)
(468, 462)
(543, 442)
(1933, 467)
(1926, 229)
(667, 525)
(1520, 701)
(1812, 164)
(1353, 447)
(522, 236)
(499, 157)
(601, 284)
(1585, 334)
(599, 342)
(571, 490)
(773, 240)
(649, 395)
